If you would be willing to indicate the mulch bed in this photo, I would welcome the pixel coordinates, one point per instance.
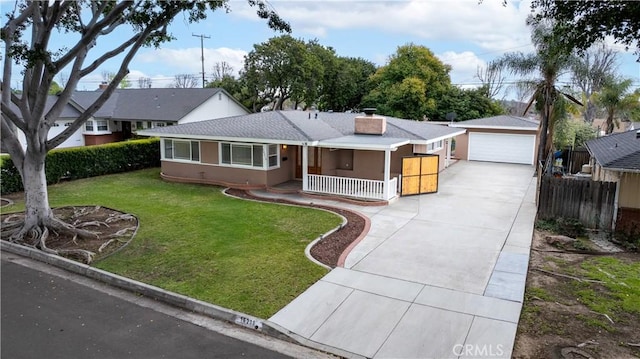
(329, 249)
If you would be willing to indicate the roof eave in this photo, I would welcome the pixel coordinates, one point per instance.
(226, 138)
(365, 147)
(513, 128)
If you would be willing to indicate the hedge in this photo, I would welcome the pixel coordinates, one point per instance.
(83, 162)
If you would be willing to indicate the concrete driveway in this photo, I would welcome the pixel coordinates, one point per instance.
(438, 276)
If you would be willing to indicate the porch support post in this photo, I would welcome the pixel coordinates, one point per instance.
(305, 167)
(448, 158)
(387, 175)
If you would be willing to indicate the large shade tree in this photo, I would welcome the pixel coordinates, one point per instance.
(549, 61)
(580, 24)
(275, 70)
(410, 84)
(28, 34)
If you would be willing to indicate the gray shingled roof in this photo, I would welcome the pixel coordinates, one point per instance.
(296, 126)
(159, 104)
(617, 151)
(68, 112)
(499, 121)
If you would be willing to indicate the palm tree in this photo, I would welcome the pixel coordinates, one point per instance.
(548, 63)
(615, 99)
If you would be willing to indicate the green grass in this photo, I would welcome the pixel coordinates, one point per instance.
(193, 240)
(622, 281)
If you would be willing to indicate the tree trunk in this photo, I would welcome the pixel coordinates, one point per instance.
(546, 115)
(38, 212)
(609, 123)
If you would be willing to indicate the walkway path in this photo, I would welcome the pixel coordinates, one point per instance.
(438, 276)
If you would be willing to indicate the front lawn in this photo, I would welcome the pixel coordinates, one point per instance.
(194, 240)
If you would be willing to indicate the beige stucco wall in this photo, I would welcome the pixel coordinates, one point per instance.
(629, 195)
(209, 152)
(209, 172)
(462, 141)
(369, 164)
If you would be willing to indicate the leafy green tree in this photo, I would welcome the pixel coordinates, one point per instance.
(580, 24)
(82, 23)
(547, 63)
(346, 83)
(617, 101)
(410, 84)
(55, 88)
(275, 70)
(467, 104)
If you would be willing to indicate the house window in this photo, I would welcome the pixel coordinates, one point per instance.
(434, 146)
(160, 124)
(139, 125)
(273, 155)
(88, 126)
(248, 155)
(182, 150)
(102, 125)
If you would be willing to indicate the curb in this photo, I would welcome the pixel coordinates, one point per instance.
(178, 300)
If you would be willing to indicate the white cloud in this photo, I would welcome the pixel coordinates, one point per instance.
(489, 25)
(188, 60)
(464, 67)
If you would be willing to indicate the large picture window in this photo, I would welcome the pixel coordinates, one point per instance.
(182, 150)
(249, 155)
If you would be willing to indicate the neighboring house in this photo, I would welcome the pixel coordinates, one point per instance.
(129, 110)
(600, 125)
(633, 126)
(66, 118)
(616, 158)
(504, 138)
(344, 154)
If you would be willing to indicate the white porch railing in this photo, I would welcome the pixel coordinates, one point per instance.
(352, 187)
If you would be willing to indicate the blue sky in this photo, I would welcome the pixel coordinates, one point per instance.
(462, 33)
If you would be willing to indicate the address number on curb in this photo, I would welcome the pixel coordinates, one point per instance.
(248, 322)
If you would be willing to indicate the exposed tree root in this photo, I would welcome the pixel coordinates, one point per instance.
(76, 239)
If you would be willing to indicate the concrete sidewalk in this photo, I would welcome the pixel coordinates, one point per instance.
(438, 276)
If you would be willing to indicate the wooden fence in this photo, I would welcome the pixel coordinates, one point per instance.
(575, 159)
(590, 202)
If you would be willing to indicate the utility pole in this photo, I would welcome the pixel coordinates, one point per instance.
(202, 37)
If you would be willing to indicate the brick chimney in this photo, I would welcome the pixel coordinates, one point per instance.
(370, 124)
(103, 86)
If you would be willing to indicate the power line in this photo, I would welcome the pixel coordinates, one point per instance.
(202, 37)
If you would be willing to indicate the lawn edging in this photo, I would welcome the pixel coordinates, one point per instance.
(178, 300)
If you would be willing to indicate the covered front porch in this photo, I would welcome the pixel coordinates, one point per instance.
(362, 167)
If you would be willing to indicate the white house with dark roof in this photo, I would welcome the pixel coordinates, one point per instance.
(129, 110)
(616, 158)
(504, 138)
(344, 154)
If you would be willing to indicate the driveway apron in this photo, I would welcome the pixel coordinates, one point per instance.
(438, 276)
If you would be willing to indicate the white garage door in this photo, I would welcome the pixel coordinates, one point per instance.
(499, 147)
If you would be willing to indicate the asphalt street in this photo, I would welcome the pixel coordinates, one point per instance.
(46, 315)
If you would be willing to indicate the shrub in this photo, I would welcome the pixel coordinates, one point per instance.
(82, 162)
(564, 226)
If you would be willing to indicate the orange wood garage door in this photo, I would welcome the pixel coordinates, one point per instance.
(419, 175)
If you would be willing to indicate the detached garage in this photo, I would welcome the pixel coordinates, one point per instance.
(506, 139)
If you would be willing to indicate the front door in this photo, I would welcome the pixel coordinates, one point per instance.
(126, 130)
(315, 161)
(419, 175)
